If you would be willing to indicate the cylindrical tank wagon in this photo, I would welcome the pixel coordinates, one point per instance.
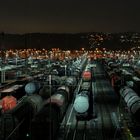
(87, 74)
(132, 100)
(49, 117)
(82, 101)
(86, 86)
(19, 118)
(38, 112)
(52, 111)
(32, 87)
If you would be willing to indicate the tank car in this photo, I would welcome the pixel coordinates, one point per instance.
(49, 117)
(54, 108)
(127, 75)
(82, 101)
(86, 86)
(15, 123)
(136, 84)
(86, 76)
(71, 82)
(50, 85)
(53, 80)
(132, 101)
(46, 91)
(52, 112)
(32, 87)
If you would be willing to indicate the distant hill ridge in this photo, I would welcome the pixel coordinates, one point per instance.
(67, 41)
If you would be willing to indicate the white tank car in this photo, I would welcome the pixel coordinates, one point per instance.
(30, 88)
(81, 103)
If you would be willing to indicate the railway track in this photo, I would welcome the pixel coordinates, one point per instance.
(105, 124)
(100, 128)
(67, 128)
(105, 118)
(74, 128)
(78, 131)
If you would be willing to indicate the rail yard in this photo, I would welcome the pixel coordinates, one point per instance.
(83, 95)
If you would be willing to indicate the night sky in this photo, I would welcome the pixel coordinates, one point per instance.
(69, 16)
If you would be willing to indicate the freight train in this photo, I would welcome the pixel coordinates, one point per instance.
(15, 123)
(126, 83)
(82, 102)
(35, 108)
(54, 108)
(132, 101)
(52, 112)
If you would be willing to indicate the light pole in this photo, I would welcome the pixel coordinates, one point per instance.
(65, 70)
